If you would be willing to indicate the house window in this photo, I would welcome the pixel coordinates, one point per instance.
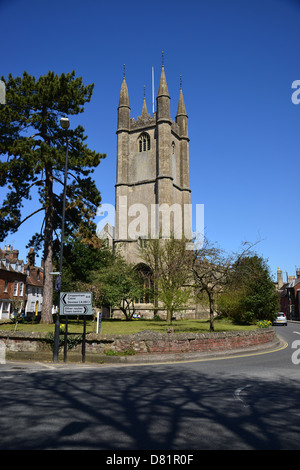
(5, 286)
(21, 288)
(5, 309)
(144, 142)
(15, 288)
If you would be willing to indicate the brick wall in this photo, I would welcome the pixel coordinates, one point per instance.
(150, 342)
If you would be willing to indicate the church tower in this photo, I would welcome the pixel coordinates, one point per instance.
(152, 191)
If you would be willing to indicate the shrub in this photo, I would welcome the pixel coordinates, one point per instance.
(250, 293)
(263, 324)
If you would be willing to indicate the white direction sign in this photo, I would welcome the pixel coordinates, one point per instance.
(76, 298)
(75, 303)
(76, 310)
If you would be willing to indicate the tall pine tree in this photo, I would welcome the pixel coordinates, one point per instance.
(32, 152)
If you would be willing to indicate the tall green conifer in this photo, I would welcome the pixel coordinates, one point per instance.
(32, 152)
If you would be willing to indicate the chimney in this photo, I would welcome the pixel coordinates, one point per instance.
(298, 273)
(13, 254)
(31, 257)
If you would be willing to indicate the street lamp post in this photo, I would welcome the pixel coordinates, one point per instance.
(64, 122)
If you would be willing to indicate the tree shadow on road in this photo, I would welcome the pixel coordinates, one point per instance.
(154, 408)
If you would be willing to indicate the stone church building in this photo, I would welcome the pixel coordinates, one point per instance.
(152, 191)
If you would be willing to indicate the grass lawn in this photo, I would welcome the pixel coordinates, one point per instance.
(134, 326)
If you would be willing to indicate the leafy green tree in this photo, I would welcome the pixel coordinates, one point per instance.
(250, 293)
(81, 259)
(33, 150)
(117, 285)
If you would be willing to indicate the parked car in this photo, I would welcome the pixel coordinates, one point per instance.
(280, 319)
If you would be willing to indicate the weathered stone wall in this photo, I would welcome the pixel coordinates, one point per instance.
(19, 341)
(36, 346)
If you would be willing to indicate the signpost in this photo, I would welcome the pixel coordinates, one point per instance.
(75, 303)
(99, 319)
(69, 301)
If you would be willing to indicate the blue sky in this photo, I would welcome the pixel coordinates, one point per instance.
(238, 60)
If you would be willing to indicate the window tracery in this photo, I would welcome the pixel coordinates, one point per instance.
(144, 142)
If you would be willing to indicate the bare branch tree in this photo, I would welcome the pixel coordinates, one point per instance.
(170, 263)
(211, 269)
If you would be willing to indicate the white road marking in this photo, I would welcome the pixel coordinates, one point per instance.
(237, 394)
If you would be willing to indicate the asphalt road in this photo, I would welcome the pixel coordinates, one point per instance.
(246, 402)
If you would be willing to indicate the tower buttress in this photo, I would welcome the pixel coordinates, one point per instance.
(182, 121)
(123, 134)
(122, 154)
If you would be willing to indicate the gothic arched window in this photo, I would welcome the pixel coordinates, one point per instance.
(146, 277)
(144, 142)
